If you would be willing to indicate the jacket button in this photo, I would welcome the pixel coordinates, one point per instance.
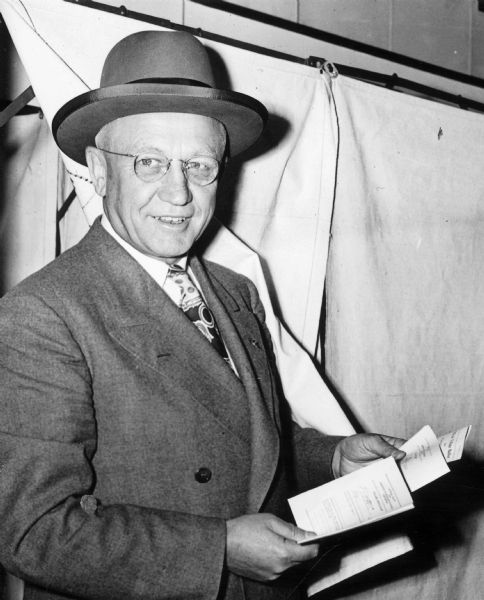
(203, 475)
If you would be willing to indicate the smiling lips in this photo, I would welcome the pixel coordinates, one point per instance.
(171, 220)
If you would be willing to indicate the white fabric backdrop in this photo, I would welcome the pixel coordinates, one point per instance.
(405, 289)
(29, 197)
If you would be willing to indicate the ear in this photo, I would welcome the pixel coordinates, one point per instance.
(96, 161)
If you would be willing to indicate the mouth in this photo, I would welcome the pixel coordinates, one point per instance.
(171, 220)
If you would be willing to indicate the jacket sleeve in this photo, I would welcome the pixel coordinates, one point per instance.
(52, 533)
(309, 451)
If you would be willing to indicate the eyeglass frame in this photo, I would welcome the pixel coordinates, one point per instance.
(169, 161)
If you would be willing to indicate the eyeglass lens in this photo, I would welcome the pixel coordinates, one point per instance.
(199, 170)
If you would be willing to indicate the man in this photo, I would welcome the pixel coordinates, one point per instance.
(143, 452)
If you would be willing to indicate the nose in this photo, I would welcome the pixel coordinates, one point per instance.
(173, 186)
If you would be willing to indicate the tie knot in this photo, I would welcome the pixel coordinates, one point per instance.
(177, 274)
(175, 268)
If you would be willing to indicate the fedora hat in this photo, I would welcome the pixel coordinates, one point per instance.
(156, 71)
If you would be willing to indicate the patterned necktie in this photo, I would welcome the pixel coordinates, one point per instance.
(192, 304)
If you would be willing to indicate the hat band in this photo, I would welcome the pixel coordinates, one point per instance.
(172, 81)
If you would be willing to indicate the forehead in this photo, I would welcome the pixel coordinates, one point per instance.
(166, 129)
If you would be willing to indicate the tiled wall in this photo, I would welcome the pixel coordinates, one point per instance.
(449, 33)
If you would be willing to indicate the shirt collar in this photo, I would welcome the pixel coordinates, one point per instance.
(156, 267)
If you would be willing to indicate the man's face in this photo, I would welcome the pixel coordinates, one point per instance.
(161, 218)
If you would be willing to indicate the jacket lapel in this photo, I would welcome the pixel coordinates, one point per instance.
(239, 330)
(146, 323)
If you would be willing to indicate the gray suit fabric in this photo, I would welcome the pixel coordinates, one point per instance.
(111, 402)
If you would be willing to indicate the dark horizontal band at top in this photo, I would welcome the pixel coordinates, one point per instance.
(172, 80)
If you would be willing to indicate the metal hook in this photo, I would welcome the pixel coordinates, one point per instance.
(330, 69)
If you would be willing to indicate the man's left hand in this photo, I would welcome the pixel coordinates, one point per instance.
(360, 450)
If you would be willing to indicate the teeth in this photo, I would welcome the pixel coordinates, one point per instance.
(171, 220)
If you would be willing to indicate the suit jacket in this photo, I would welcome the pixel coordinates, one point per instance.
(125, 439)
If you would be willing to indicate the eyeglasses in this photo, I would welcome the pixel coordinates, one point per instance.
(150, 167)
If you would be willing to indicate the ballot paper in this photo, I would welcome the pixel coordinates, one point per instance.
(424, 461)
(452, 444)
(358, 556)
(362, 497)
(427, 456)
(377, 491)
(371, 494)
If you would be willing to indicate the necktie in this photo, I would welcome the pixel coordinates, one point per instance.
(192, 304)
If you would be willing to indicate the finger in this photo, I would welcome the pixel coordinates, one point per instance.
(394, 441)
(290, 535)
(301, 535)
(290, 531)
(386, 446)
(299, 554)
(375, 445)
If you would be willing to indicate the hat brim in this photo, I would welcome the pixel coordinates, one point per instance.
(77, 123)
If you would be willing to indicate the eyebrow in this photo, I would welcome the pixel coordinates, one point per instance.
(148, 149)
(208, 151)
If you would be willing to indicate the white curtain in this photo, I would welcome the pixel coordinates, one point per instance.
(405, 304)
(29, 198)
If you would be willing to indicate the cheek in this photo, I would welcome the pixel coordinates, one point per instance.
(136, 202)
(204, 219)
(209, 211)
(207, 206)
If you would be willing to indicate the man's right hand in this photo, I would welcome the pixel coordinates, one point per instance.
(263, 547)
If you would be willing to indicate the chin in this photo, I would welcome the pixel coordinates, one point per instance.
(172, 254)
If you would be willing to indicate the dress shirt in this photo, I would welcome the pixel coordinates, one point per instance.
(158, 270)
(155, 267)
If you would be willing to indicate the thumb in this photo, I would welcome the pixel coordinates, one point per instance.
(301, 535)
(396, 444)
(290, 531)
(386, 446)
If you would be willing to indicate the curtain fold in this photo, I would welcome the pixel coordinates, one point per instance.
(405, 319)
(28, 184)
